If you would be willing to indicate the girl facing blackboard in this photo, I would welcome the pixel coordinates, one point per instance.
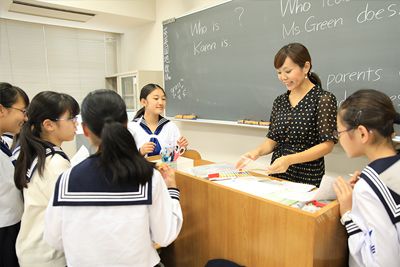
(302, 121)
(153, 132)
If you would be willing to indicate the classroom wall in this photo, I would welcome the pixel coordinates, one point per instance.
(142, 49)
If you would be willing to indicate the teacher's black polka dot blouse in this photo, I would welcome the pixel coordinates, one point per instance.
(295, 129)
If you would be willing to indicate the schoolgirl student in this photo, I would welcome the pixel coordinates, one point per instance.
(151, 131)
(110, 208)
(51, 121)
(13, 104)
(370, 201)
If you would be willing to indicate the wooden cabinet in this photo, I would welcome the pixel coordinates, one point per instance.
(129, 84)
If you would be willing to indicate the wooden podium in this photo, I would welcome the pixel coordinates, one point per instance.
(221, 222)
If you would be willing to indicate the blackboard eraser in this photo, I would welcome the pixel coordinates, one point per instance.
(250, 122)
(264, 123)
(186, 116)
(189, 117)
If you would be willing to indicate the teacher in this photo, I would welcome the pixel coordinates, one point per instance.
(302, 121)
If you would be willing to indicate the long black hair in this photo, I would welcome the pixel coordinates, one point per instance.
(104, 113)
(372, 109)
(9, 95)
(45, 105)
(146, 90)
(299, 54)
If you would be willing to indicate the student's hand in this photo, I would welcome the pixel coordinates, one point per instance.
(147, 148)
(168, 174)
(246, 158)
(354, 178)
(344, 193)
(280, 165)
(182, 142)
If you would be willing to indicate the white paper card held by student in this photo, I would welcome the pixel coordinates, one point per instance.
(80, 155)
(325, 190)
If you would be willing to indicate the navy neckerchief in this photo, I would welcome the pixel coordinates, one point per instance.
(4, 147)
(86, 184)
(50, 151)
(162, 121)
(390, 199)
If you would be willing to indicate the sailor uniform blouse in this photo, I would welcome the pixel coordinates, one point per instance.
(11, 205)
(374, 225)
(98, 223)
(296, 129)
(32, 250)
(166, 134)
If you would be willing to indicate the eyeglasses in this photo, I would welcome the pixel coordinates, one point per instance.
(337, 134)
(22, 110)
(74, 119)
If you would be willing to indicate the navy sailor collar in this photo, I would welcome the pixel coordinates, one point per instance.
(4, 147)
(382, 176)
(161, 122)
(50, 151)
(6, 150)
(86, 184)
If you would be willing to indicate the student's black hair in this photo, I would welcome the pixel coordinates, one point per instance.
(9, 95)
(371, 109)
(146, 90)
(104, 113)
(299, 54)
(45, 105)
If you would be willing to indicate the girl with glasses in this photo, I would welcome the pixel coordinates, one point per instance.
(40, 162)
(370, 201)
(12, 98)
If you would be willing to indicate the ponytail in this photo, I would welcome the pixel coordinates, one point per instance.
(313, 77)
(119, 157)
(139, 113)
(31, 147)
(396, 119)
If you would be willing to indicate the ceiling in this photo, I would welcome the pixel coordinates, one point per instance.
(106, 15)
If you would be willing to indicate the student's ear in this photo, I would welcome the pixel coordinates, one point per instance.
(143, 102)
(85, 129)
(2, 111)
(364, 133)
(48, 125)
(93, 139)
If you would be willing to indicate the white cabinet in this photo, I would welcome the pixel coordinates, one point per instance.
(129, 84)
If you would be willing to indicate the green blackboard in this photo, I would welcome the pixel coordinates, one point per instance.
(218, 62)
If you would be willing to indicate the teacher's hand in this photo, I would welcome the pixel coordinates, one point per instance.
(246, 158)
(280, 165)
